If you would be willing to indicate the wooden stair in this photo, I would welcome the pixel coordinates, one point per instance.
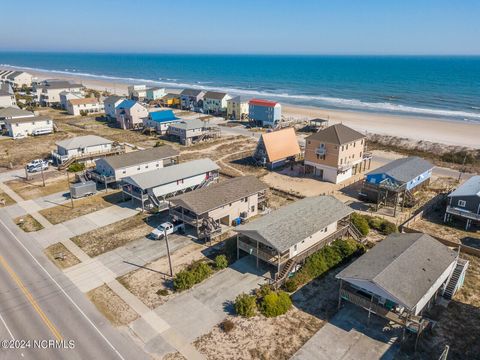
(456, 277)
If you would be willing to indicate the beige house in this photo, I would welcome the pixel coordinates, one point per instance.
(336, 153)
(24, 126)
(237, 108)
(16, 78)
(84, 106)
(130, 114)
(226, 203)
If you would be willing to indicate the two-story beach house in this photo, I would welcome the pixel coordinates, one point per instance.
(237, 108)
(130, 114)
(215, 102)
(84, 106)
(16, 79)
(68, 95)
(137, 92)
(21, 127)
(192, 99)
(82, 147)
(110, 105)
(192, 131)
(265, 113)
(11, 112)
(275, 148)
(155, 93)
(464, 203)
(160, 120)
(335, 153)
(48, 91)
(225, 203)
(153, 188)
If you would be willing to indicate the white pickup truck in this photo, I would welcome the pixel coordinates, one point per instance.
(168, 228)
(37, 165)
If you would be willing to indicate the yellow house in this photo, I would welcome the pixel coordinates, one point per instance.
(237, 108)
(171, 100)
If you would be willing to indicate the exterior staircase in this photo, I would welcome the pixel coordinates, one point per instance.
(207, 182)
(153, 199)
(286, 270)
(456, 280)
(355, 233)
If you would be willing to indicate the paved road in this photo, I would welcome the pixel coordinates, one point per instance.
(38, 302)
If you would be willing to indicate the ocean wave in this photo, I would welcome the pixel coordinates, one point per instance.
(352, 104)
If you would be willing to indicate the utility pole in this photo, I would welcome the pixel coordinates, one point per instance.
(168, 253)
(43, 176)
(68, 183)
(463, 168)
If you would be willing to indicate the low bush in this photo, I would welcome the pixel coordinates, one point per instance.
(221, 262)
(245, 305)
(361, 223)
(194, 274)
(275, 304)
(227, 325)
(290, 285)
(162, 292)
(384, 226)
(76, 167)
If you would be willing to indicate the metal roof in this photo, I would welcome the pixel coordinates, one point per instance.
(404, 265)
(141, 157)
(126, 104)
(163, 115)
(291, 224)
(336, 134)
(216, 195)
(261, 102)
(404, 169)
(169, 174)
(82, 142)
(471, 187)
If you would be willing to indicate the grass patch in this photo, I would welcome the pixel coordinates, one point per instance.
(61, 256)
(117, 311)
(5, 199)
(61, 213)
(34, 189)
(28, 223)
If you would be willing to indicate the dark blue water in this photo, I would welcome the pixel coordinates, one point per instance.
(447, 87)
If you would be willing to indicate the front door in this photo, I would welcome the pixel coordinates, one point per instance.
(319, 173)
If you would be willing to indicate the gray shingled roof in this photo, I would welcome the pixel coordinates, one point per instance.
(216, 195)
(215, 95)
(191, 92)
(189, 124)
(28, 119)
(141, 156)
(82, 141)
(59, 84)
(337, 134)
(291, 224)
(471, 187)
(9, 112)
(404, 265)
(112, 99)
(404, 169)
(172, 173)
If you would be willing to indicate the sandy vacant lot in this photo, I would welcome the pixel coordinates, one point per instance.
(112, 306)
(32, 189)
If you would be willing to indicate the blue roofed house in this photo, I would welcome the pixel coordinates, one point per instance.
(130, 114)
(395, 182)
(160, 120)
(464, 203)
(265, 113)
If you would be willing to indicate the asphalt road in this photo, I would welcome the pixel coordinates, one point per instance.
(37, 302)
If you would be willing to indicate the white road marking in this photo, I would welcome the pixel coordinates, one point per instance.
(63, 291)
(6, 327)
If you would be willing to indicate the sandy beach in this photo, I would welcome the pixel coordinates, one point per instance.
(414, 128)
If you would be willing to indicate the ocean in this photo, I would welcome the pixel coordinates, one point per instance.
(442, 87)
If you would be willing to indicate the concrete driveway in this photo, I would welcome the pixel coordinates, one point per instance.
(347, 337)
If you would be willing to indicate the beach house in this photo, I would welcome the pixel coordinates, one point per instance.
(81, 148)
(215, 102)
(110, 105)
(396, 182)
(192, 99)
(275, 148)
(401, 276)
(16, 79)
(137, 92)
(84, 106)
(189, 132)
(237, 108)
(151, 189)
(464, 203)
(113, 169)
(7, 96)
(154, 93)
(287, 236)
(226, 203)
(48, 91)
(336, 153)
(171, 99)
(13, 113)
(265, 113)
(68, 95)
(160, 120)
(130, 113)
(21, 127)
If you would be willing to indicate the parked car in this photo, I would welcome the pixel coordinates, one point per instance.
(37, 165)
(168, 228)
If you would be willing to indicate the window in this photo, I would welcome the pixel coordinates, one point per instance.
(253, 208)
(342, 148)
(462, 203)
(341, 161)
(124, 171)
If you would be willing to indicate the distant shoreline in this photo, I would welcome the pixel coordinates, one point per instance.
(415, 128)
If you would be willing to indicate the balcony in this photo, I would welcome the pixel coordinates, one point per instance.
(321, 151)
(463, 213)
(265, 254)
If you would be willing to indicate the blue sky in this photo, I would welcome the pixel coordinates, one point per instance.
(244, 26)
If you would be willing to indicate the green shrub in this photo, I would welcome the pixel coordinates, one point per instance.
(275, 304)
(221, 262)
(263, 291)
(245, 305)
(76, 167)
(162, 292)
(195, 274)
(227, 325)
(291, 285)
(83, 113)
(388, 227)
(382, 225)
(361, 223)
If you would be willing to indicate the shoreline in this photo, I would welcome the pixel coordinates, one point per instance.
(414, 128)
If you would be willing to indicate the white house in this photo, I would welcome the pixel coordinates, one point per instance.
(48, 91)
(30, 125)
(81, 145)
(137, 92)
(215, 102)
(110, 105)
(7, 96)
(86, 105)
(155, 93)
(14, 113)
(115, 168)
(16, 78)
(68, 95)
